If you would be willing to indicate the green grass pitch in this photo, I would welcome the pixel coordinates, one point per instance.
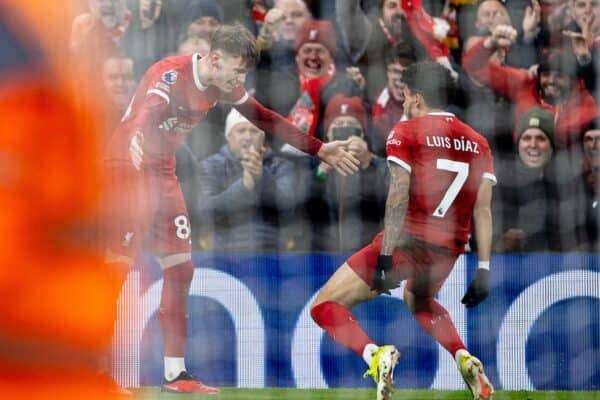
(154, 393)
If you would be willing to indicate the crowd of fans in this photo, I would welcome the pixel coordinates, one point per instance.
(525, 76)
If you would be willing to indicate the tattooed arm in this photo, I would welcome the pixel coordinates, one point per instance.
(395, 207)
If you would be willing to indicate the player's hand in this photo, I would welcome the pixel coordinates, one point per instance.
(502, 36)
(136, 150)
(336, 154)
(382, 279)
(478, 289)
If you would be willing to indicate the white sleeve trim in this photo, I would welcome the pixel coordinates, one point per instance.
(491, 177)
(242, 100)
(400, 162)
(161, 94)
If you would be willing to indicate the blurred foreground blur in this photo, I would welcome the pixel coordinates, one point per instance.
(58, 300)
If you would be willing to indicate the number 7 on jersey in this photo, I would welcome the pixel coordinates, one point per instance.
(462, 172)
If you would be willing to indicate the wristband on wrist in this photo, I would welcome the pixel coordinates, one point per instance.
(483, 265)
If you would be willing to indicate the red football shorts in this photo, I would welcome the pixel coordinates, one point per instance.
(424, 267)
(146, 211)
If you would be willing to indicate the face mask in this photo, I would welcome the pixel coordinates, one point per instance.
(344, 132)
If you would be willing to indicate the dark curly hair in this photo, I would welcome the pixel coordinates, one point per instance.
(432, 81)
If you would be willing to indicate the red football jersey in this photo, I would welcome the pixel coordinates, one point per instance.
(167, 104)
(447, 160)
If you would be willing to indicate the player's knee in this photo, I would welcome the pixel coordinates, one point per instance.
(181, 273)
(416, 303)
(314, 310)
(318, 310)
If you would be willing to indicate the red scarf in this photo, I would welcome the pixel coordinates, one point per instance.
(305, 113)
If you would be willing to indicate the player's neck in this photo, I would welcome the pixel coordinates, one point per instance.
(434, 110)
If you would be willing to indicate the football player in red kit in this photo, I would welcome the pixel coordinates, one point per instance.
(441, 174)
(145, 202)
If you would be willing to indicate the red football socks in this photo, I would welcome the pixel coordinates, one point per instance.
(173, 314)
(435, 320)
(341, 325)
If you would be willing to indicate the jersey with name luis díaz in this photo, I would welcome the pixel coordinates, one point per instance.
(447, 160)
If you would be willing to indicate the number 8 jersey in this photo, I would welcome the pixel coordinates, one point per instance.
(447, 160)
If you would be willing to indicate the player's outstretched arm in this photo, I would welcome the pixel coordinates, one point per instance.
(333, 153)
(482, 215)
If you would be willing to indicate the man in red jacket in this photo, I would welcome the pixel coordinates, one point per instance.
(555, 86)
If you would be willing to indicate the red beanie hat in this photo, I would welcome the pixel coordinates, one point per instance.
(342, 105)
(316, 31)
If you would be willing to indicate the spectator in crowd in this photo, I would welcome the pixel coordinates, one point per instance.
(591, 144)
(489, 14)
(525, 198)
(555, 86)
(555, 17)
(102, 28)
(303, 92)
(486, 111)
(201, 19)
(389, 108)
(193, 45)
(245, 191)
(590, 235)
(345, 212)
(366, 39)
(98, 34)
(119, 85)
(585, 13)
(569, 16)
(584, 44)
(154, 30)
(281, 25)
(276, 39)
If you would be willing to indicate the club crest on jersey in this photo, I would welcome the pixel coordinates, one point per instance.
(170, 77)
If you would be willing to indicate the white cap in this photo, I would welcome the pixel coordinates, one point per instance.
(233, 118)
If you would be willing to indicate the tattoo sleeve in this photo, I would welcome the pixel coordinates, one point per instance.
(395, 207)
